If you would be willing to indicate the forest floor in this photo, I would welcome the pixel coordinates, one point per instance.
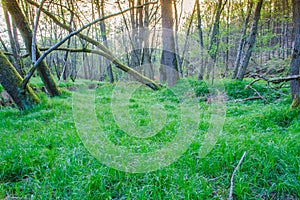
(43, 156)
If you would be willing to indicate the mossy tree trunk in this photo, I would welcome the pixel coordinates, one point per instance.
(22, 24)
(11, 80)
(295, 64)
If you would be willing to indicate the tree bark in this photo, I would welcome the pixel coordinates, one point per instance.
(11, 80)
(242, 41)
(12, 43)
(20, 20)
(295, 64)
(201, 43)
(251, 41)
(148, 66)
(104, 39)
(169, 65)
(215, 41)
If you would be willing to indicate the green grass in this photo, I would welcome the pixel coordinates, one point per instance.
(42, 157)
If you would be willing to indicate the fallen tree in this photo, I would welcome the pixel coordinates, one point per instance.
(274, 80)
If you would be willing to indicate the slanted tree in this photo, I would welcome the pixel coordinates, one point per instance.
(21, 22)
(169, 66)
(215, 40)
(13, 43)
(11, 81)
(250, 44)
(242, 41)
(295, 64)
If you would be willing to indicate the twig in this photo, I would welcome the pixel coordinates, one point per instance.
(258, 94)
(232, 176)
(254, 81)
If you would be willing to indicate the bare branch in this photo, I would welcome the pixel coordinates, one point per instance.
(232, 176)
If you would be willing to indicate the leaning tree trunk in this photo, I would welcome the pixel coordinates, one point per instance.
(251, 41)
(169, 65)
(215, 41)
(242, 41)
(12, 43)
(295, 65)
(11, 80)
(20, 20)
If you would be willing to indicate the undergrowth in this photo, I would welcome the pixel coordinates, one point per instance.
(42, 157)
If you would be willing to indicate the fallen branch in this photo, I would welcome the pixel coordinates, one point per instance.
(252, 82)
(274, 80)
(258, 94)
(248, 99)
(284, 79)
(232, 176)
(139, 77)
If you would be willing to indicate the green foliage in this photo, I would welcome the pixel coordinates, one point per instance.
(42, 157)
(236, 89)
(200, 87)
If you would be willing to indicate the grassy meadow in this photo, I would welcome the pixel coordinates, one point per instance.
(43, 157)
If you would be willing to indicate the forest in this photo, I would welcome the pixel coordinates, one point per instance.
(150, 99)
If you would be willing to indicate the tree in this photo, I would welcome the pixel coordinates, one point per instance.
(201, 43)
(13, 43)
(100, 8)
(20, 20)
(295, 64)
(103, 51)
(169, 66)
(215, 41)
(11, 80)
(242, 41)
(251, 41)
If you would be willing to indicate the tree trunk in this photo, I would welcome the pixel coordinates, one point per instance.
(201, 43)
(11, 80)
(104, 52)
(169, 66)
(19, 19)
(148, 66)
(215, 41)
(251, 41)
(242, 42)
(12, 43)
(104, 39)
(295, 64)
